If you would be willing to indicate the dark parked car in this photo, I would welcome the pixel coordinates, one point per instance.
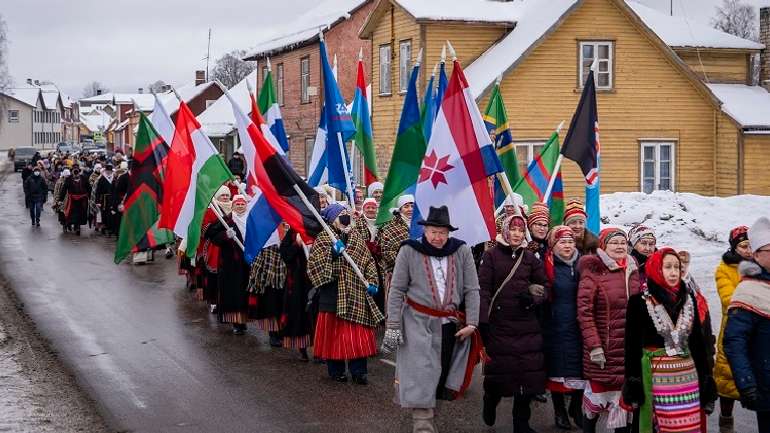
(23, 157)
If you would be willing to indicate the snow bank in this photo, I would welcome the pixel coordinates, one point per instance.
(691, 222)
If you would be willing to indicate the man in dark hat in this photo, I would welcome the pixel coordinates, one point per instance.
(437, 344)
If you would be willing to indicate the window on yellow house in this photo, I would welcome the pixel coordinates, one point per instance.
(657, 166)
(385, 80)
(602, 52)
(526, 151)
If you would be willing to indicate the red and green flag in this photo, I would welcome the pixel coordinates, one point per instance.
(533, 185)
(363, 139)
(139, 226)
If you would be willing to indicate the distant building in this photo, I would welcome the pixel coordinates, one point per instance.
(32, 116)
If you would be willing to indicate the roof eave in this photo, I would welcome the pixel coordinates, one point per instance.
(253, 57)
(718, 49)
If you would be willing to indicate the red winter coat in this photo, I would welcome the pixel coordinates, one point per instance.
(601, 301)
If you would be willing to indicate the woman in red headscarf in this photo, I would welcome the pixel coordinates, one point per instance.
(668, 379)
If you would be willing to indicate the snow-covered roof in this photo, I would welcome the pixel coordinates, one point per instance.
(25, 93)
(141, 99)
(218, 119)
(122, 124)
(50, 100)
(462, 10)
(677, 31)
(535, 22)
(747, 105)
(305, 28)
(104, 98)
(96, 122)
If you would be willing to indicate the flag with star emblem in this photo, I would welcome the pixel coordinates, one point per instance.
(458, 161)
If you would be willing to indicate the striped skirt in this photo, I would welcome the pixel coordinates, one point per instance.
(675, 394)
(338, 339)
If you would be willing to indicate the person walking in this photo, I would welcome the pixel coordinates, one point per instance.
(512, 282)
(727, 279)
(35, 194)
(668, 377)
(561, 331)
(75, 195)
(607, 280)
(747, 335)
(436, 341)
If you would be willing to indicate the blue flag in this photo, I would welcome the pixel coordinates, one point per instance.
(443, 82)
(582, 146)
(428, 111)
(339, 123)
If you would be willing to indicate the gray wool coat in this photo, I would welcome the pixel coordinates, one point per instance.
(418, 360)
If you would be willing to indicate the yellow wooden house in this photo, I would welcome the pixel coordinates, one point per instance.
(677, 110)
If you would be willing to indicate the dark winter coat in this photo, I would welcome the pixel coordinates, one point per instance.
(510, 327)
(563, 342)
(603, 293)
(76, 190)
(233, 275)
(641, 262)
(643, 335)
(747, 336)
(35, 189)
(589, 244)
(295, 321)
(236, 166)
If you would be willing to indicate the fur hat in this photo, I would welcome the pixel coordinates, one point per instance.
(374, 186)
(574, 209)
(639, 232)
(759, 233)
(539, 212)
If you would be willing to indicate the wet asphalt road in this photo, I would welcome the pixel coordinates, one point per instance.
(156, 361)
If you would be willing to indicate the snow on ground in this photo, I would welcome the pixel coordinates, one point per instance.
(691, 222)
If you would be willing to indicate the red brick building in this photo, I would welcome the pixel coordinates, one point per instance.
(296, 65)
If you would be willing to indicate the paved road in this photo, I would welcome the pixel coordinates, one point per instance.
(155, 361)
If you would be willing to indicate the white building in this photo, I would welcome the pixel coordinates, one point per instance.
(31, 116)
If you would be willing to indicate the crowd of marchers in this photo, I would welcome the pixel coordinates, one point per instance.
(612, 326)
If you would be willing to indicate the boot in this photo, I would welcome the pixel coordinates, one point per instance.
(560, 411)
(589, 425)
(521, 414)
(576, 408)
(489, 411)
(275, 339)
(726, 424)
(422, 421)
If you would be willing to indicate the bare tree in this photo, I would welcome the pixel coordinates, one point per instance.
(5, 76)
(157, 87)
(737, 18)
(93, 88)
(230, 69)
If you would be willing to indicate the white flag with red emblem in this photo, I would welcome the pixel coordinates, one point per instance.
(458, 161)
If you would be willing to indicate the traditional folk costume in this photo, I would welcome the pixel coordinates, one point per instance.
(345, 328)
(207, 255)
(539, 213)
(424, 312)
(93, 210)
(105, 199)
(367, 229)
(58, 203)
(295, 321)
(267, 281)
(392, 234)
(75, 194)
(667, 371)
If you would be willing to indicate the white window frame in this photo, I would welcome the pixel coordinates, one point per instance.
(404, 64)
(304, 78)
(657, 144)
(309, 143)
(531, 154)
(279, 83)
(13, 116)
(609, 62)
(386, 82)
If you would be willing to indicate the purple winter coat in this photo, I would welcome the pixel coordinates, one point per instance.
(512, 333)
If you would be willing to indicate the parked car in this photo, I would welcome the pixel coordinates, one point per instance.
(23, 157)
(63, 148)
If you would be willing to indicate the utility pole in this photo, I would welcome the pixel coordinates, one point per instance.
(671, 3)
(208, 56)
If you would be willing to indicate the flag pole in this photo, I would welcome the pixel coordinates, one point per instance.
(556, 169)
(349, 184)
(331, 234)
(215, 208)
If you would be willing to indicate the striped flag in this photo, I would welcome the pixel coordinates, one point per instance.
(496, 121)
(364, 141)
(533, 185)
(271, 110)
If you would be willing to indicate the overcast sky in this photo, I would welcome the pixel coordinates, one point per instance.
(129, 44)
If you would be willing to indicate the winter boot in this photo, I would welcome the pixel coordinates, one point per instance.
(275, 339)
(726, 424)
(489, 411)
(521, 414)
(422, 421)
(576, 408)
(560, 411)
(589, 425)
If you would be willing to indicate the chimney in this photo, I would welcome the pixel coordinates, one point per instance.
(200, 77)
(37, 82)
(98, 92)
(29, 80)
(140, 90)
(764, 55)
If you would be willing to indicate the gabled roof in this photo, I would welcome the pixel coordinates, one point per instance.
(464, 11)
(304, 29)
(749, 106)
(96, 122)
(677, 31)
(26, 94)
(218, 119)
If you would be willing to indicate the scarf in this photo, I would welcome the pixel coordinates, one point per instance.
(371, 224)
(240, 221)
(641, 259)
(655, 270)
(424, 247)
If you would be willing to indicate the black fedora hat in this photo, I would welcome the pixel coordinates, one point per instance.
(438, 217)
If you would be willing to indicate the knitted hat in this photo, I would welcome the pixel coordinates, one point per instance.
(331, 212)
(609, 233)
(639, 232)
(539, 213)
(738, 235)
(374, 186)
(404, 199)
(759, 233)
(559, 232)
(574, 209)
